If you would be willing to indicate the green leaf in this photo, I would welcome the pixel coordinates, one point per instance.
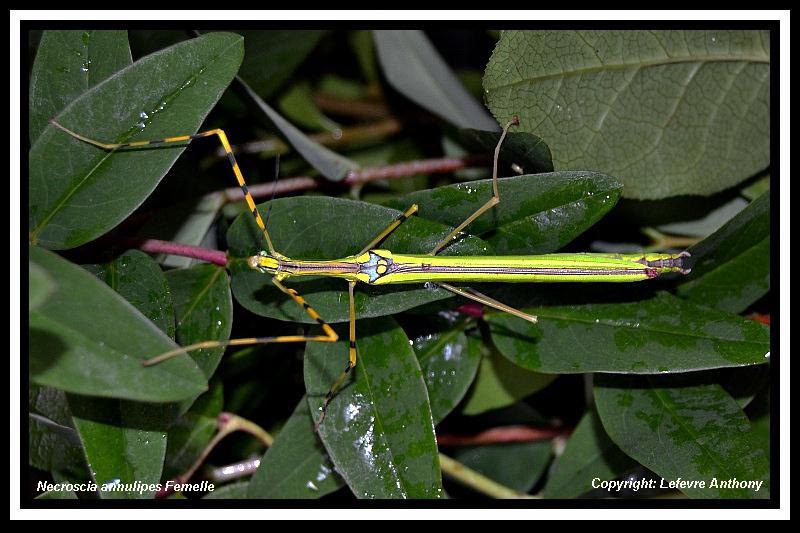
(683, 429)
(124, 441)
(79, 191)
(414, 67)
(378, 430)
(537, 213)
(517, 465)
(298, 105)
(53, 443)
(449, 362)
(668, 112)
(731, 267)
(89, 340)
(203, 311)
(660, 334)
(501, 383)
(526, 150)
(192, 431)
(271, 56)
(330, 164)
(301, 228)
(40, 285)
(296, 466)
(68, 62)
(709, 223)
(138, 279)
(589, 454)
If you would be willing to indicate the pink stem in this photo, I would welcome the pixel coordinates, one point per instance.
(503, 435)
(185, 250)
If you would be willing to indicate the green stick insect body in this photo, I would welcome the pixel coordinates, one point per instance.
(375, 266)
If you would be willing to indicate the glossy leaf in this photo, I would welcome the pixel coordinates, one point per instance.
(660, 334)
(731, 268)
(330, 164)
(69, 62)
(500, 383)
(138, 279)
(89, 340)
(378, 430)
(537, 213)
(668, 112)
(709, 222)
(300, 229)
(203, 310)
(449, 362)
(53, 443)
(124, 441)
(526, 150)
(78, 191)
(271, 56)
(296, 466)
(297, 104)
(414, 67)
(590, 454)
(695, 432)
(517, 465)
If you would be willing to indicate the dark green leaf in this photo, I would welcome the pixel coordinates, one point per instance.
(517, 465)
(301, 229)
(88, 339)
(138, 279)
(526, 150)
(79, 191)
(501, 383)
(271, 56)
(449, 362)
(53, 443)
(589, 454)
(660, 334)
(203, 310)
(296, 466)
(668, 112)
(68, 62)
(378, 429)
(414, 67)
(695, 432)
(730, 268)
(537, 213)
(124, 441)
(330, 164)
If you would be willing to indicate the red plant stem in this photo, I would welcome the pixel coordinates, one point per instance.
(503, 434)
(439, 165)
(185, 250)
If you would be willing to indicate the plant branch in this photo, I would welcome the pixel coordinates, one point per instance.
(503, 434)
(439, 165)
(477, 481)
(227, 423)
(184, 250)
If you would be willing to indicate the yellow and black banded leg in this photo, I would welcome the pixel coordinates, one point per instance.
(390, 228)
(351, 360)
(223, 139)
(493, 201)
(330, 335)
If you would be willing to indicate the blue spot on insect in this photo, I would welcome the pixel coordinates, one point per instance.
(376, 266)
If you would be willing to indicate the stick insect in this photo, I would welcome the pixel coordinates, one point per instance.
(375, 266)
